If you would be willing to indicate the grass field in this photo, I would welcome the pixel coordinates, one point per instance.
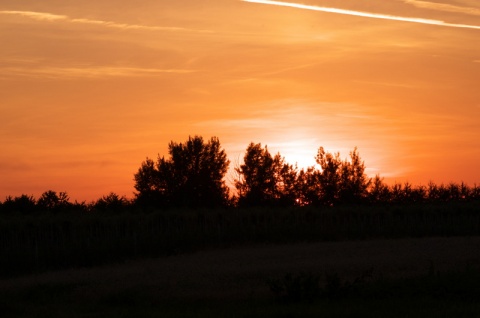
(349, 261)
(412, 277)
(40, 243)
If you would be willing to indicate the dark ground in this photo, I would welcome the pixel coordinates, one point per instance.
(233, 282)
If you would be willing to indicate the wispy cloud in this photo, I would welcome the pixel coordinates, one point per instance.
(364, 14)
(285, 118)
(296, 128)
(50, 17)
(388, 84)
(41, 16)
(443, 7)
(88, 72)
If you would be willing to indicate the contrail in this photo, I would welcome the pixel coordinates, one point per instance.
(364, 14)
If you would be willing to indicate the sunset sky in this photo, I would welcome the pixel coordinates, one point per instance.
(89, 89)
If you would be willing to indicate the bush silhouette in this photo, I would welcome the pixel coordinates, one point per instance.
(24, 205)
(111, 203)
(193, 176)
(265, 179)
(50, 201)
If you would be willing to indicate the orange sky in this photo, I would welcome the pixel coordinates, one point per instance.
(89, 89)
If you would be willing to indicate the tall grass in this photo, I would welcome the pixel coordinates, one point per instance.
(44, 242)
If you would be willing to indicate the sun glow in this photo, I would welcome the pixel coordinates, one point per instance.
(300, 152)
(89, 89)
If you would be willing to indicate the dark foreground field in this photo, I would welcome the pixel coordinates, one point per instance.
(45, 242)
(413, 277)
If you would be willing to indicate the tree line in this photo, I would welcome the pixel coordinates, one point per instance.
(194, 176)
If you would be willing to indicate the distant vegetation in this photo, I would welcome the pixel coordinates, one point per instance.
(194, 177)
(182, 204)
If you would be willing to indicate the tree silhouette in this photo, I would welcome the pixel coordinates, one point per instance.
(24, 204)
(111, 203)
(329, 177)
(148, 184)
(258, 182)
(193, 176)
(51, 202)
(354, 183)
(335, 181)
(308, 185)
(378, 191)
(286, 182)
(265, 180)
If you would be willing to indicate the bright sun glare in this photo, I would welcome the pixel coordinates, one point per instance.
(296, 150)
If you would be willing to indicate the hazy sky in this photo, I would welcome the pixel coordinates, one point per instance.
(89, 89)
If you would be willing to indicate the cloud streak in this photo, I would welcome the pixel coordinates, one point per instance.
(40, 16)
(364, 14)
(50, 17)
(89, 72)
(443, 7)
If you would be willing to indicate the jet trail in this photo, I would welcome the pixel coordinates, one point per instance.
(364, 14)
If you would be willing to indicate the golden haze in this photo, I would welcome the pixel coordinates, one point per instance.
(89, 89)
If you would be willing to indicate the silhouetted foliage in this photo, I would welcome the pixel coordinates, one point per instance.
(322, 202)
(193, 176)
(265, 180)
(257, 186)
(50, 201)
(339, 181)
(354, 183)
(112, 203)
(329, 176)
(378, 191)
(335, 181)
(147, 183)
(24, 205)
(286, 186)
